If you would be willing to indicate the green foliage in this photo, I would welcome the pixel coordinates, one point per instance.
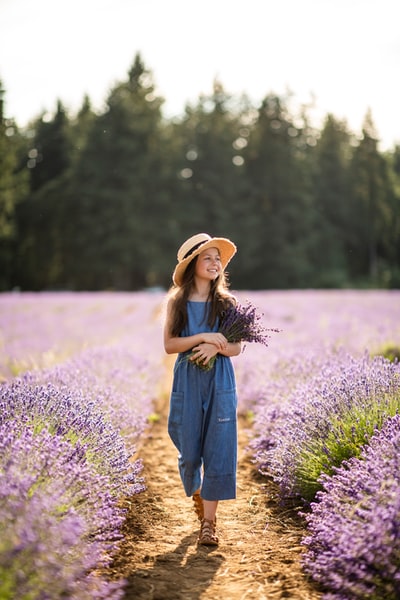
(371, 202)
(390, 351)
(102, 201)
(13, 184)
(348, 434)
(330, 174)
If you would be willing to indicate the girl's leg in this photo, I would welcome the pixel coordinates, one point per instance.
(198, 504)
(210, 509)
(220, 448)
(207, 535)
(204, 508)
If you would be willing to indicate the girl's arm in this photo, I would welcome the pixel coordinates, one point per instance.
(232, 349)
(205, 351)
(174, 345)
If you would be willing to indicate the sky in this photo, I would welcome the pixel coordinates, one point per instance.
(333, 56)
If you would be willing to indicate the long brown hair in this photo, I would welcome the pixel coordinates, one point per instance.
(219, 299)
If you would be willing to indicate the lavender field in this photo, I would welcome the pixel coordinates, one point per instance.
(80, 375)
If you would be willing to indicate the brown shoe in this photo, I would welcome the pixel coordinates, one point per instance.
(207, 535)
(198, 505)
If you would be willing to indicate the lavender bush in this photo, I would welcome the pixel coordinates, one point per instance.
(353, 546)
(121, 384)
(71, 416)
(59, 520)
(330, 418)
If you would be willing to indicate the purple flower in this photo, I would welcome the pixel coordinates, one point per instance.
(328, 419)
(69, 414)
(59, 521)
(241, 323)
(353, 545)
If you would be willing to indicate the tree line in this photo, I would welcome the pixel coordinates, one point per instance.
(102, 200)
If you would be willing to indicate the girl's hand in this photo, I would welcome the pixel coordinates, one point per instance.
(218, 339)
(203, 353)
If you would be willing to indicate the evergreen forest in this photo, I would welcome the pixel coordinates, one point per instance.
(101, 200)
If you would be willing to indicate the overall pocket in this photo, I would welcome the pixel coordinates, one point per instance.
(226, 405)
(176, 408)
(175, 418)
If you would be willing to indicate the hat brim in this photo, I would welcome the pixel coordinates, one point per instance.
(227, 250)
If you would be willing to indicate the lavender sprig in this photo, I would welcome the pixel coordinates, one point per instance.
(240, 323)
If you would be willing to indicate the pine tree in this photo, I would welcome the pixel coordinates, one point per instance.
(279, 200)
(330, 166)
(114, 189)
(13, 186)
(370, 205)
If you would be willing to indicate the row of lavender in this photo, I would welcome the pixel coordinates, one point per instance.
(69, 430)
(326, 406)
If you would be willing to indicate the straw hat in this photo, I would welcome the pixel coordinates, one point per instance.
(196, 244)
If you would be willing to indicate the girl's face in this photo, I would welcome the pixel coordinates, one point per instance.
(208, 265)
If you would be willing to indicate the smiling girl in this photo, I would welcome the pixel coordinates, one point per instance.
(202, 420)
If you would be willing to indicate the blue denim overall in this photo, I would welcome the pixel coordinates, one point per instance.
(202, 419)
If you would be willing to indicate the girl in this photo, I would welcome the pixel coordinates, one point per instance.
(202, 418)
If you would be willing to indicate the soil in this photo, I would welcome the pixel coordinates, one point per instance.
(259, 553)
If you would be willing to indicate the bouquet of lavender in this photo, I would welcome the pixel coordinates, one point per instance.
(240, 323)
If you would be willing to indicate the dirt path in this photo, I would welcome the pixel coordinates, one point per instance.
(259, 553)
